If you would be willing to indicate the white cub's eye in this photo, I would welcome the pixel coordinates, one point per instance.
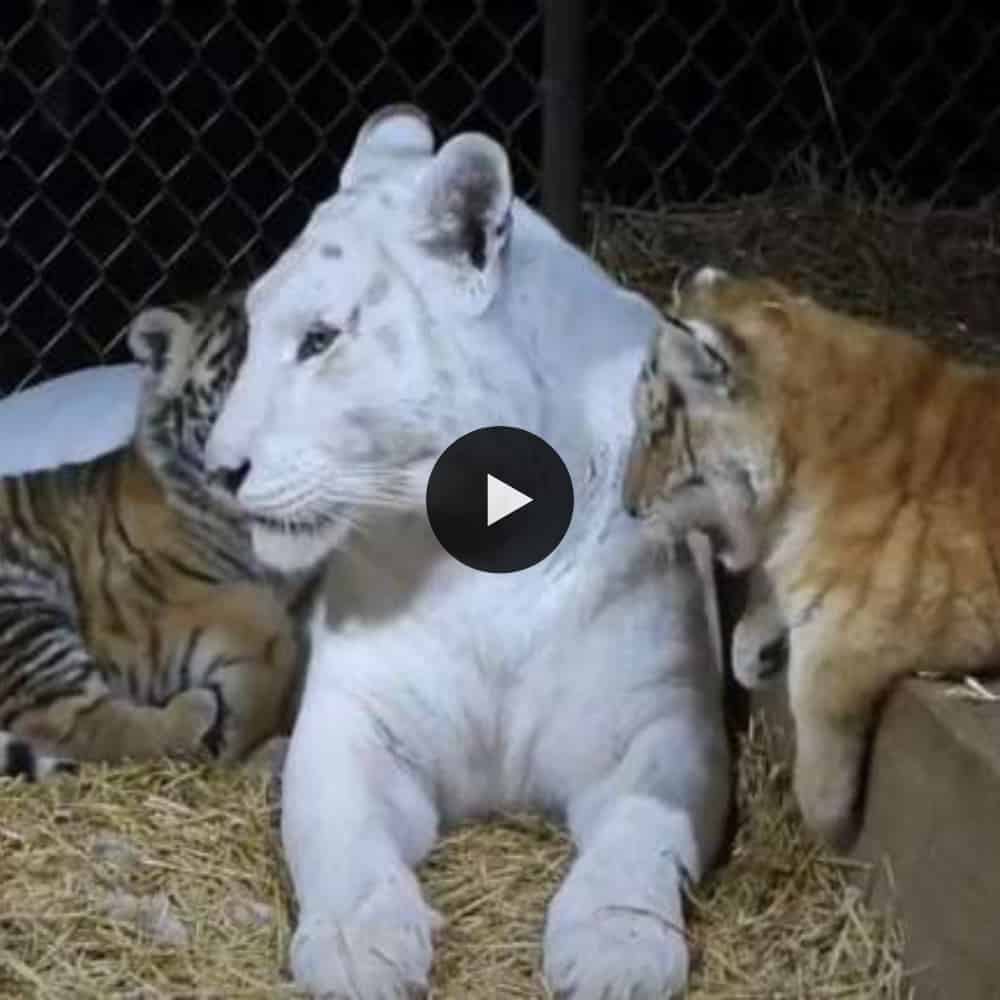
(316, 340)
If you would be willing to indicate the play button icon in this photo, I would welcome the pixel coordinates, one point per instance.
(502, 500)
(499, 499)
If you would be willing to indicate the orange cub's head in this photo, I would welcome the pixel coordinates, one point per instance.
(710, 400)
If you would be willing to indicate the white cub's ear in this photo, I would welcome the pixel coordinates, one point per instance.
(159, 339)
(464, 213)
(396, 132)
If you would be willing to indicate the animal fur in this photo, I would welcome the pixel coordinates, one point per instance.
(134, 619)
(856, 469)
(422, 301)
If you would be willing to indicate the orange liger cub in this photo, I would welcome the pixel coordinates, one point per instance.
(857, 471)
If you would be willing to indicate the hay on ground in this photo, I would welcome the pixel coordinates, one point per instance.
(193, 853)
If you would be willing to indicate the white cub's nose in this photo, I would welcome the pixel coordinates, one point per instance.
(231, 477)
(224, 450)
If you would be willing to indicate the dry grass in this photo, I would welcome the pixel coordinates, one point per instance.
(195, 842)
(784, 918)
(166, 881)
(937, 273)
(193, 854)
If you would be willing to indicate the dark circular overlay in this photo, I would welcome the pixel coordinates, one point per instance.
(457, 499)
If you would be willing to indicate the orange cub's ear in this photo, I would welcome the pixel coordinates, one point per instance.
(772, 320)
(776, 303)
(774, 313)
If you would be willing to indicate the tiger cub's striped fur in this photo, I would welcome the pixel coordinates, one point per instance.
(134, 619)
(858, 470)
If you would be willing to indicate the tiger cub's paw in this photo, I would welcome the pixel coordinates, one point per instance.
(194, 721)
(268, 759)
(19, 759)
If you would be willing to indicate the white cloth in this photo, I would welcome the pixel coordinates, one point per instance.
(71, 418)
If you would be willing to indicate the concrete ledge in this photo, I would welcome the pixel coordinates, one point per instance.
(931, 831)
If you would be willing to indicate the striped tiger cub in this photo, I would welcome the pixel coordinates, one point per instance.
(134, 620)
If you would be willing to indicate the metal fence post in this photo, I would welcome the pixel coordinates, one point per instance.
(562, 114)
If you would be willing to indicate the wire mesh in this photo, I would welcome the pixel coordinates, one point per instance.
(699, 102)
(154, 151)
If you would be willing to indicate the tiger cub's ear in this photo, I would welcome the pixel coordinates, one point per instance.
(702, 358)
(158, 338)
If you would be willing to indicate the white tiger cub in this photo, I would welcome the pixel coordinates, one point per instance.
(421, 302)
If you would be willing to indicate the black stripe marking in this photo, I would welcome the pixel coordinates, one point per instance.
(155, 666)
(186, 570)
(20, 761)
(116, 514)
(45, 701)
(187, 656)
(213, 739)
(50, 670)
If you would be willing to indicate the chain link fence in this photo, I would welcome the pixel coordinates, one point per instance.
(697, 102)
(153, 151)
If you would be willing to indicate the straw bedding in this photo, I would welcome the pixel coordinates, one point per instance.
(156, 882)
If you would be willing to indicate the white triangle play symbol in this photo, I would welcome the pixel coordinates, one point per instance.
(502, 500)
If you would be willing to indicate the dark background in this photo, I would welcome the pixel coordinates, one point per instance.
(152, 151)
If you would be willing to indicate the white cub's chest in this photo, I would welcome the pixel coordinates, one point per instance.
(470, 664)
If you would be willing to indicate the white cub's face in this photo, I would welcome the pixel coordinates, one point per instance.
(356, 356)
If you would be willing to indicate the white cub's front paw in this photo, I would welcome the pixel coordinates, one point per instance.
(381, 950)
(614, 952)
